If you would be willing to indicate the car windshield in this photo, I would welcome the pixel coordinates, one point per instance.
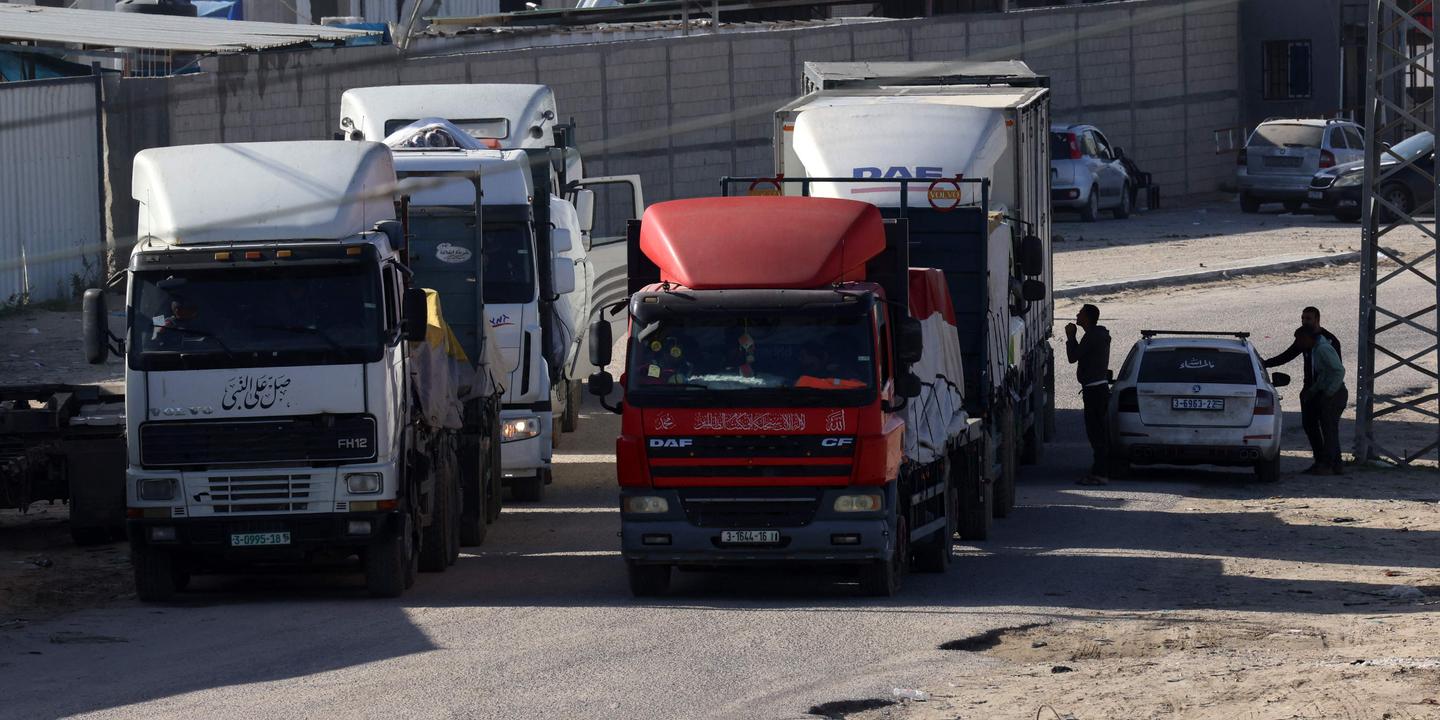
(256, 317)
(1287, 135)
(1411, 147)
(1196, 366)
(752, 359)
(509, 262)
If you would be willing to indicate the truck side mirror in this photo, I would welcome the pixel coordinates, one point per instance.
(910, 341)
(907, 385)
(601, 383)
(95, 326)
(394, 232)
(564, 274)
(1033, 291)
(1279, 379)
(600, 343)
(585, 208)
(561, 240)
(415, 310)
(1032, 256)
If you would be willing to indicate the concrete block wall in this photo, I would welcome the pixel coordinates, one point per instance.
(1158, 76)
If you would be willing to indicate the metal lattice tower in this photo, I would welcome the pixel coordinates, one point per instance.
(1398, 294)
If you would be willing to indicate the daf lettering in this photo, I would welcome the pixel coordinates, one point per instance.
(671, 442)
(900, 171)
(837, 442)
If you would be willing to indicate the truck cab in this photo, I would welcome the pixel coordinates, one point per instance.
(290, 394)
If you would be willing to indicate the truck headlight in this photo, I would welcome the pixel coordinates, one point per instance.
(156, 489)
(363, 483)
(521, 428)
(869, 502)
(646, 504)
(1350, 179)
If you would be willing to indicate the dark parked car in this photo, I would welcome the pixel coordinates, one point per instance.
(1338, 189)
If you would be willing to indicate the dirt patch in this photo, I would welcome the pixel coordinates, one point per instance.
(989, 639)
(44, 574)
(841, 709)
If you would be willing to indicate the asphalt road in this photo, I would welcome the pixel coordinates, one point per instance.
(539, 623)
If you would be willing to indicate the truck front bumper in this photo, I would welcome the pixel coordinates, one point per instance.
(674, 538)
(214, 538)
(521, 458)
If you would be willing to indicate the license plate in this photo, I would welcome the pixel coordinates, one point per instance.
(254, 539)
(750, 537)
(1197, 404)
(1316, 195)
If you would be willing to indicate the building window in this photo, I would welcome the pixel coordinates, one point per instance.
(1287, 69)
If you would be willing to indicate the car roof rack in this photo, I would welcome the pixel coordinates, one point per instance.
(1208, 333)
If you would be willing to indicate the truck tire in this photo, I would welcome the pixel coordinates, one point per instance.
(933, 555)
(975, 500)
(388, 563)
(1031, 446)
(435, 537)
(157, 574)
(883, 578)
(1009, 460)
(647, 580)
(496, 475)
(1268, 471)
(474, 490)
(570, 417)
(530, 489)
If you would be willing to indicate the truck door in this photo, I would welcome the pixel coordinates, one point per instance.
(605, 206)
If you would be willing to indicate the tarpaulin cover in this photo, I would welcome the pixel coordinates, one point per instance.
(444, 377)
(938, 414)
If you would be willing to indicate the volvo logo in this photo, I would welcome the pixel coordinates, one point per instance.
(353, 443)
(671, 442)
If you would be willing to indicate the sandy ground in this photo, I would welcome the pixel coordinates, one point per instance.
(1202, 236)
(1346, 633)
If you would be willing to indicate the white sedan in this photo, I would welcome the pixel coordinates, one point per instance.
(1192, 398)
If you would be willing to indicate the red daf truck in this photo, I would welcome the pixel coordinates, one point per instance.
(793, 391)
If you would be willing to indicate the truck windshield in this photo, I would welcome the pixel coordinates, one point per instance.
(509, 257)
(752, 360)
(256, 317)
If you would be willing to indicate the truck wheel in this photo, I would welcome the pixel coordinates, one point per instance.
(1005, 486)
(156, 573)
(435, 537)
(452, 544)
(647, 580)
(976, 498)
(475, 498)
(882, 579)
(1268, 471)
(570, 418)
(1030, 447)
(495, 473)
(530, 489)
(388, 563)
(933, 556)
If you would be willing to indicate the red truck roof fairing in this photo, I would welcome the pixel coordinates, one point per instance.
(761, 242)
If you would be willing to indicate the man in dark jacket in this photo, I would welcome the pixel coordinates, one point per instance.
(1091, 357)
(1309, 411)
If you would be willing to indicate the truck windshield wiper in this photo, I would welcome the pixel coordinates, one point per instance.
(204, 334)
(307, 330)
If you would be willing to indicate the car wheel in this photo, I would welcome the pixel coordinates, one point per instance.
(1122, 210)
(1249, 204)
(1268, 471)
(1091, 211)
(1293, 206)
(1399, 197)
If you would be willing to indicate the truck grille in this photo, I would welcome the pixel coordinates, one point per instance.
(754, 446)
(258, 494)
(306, 439)
(750, 508)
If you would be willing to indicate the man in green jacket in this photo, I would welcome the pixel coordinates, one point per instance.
(1326, 389)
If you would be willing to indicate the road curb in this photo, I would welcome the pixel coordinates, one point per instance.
(1210, 275)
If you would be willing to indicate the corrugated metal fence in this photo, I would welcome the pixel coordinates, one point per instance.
(51, 191)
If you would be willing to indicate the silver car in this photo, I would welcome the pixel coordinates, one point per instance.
(1282, 155)
(1187, 398)
(1086, 173)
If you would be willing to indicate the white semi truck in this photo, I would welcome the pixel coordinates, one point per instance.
(938, 127)
(538, 215)
(291, 394)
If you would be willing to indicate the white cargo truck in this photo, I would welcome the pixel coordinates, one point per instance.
(291, 395)
(538, 209)
(939, 127)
